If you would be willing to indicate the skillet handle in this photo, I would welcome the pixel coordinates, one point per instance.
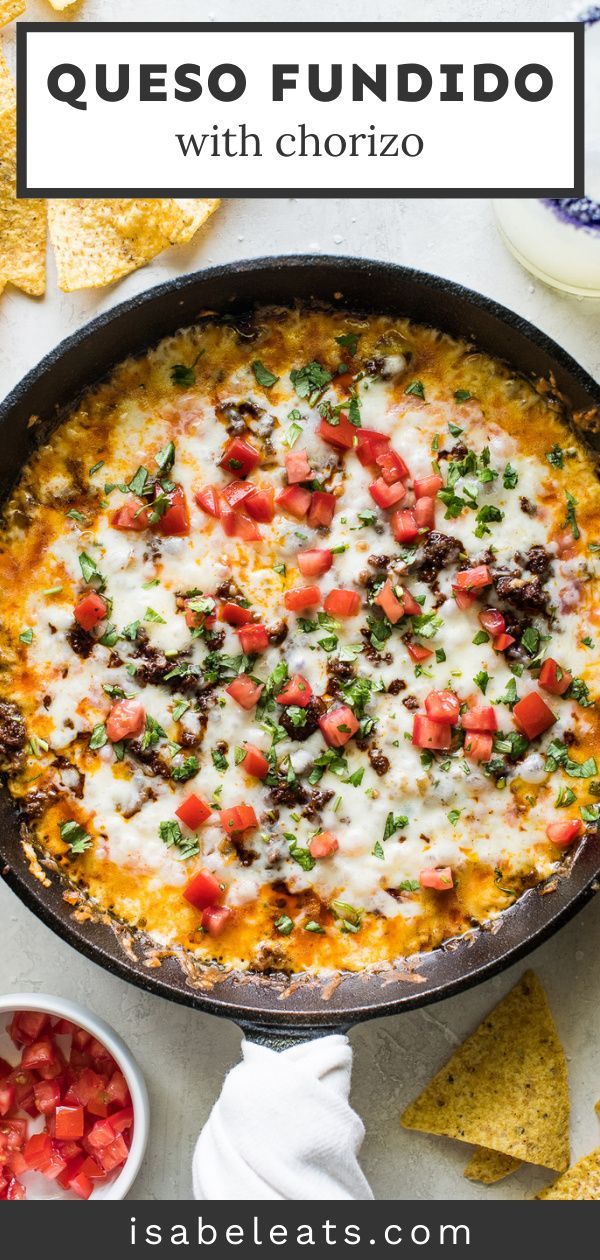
(286, 1037)
(301, 1091)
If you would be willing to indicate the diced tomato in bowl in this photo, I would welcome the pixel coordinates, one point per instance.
(46, 1136)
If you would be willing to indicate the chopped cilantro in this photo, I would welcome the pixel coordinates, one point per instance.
(485, 516)
(151, 615)
(284, 925)
(262, 375)
(311, 379)
(26, 636)
(481, 680)
(461, 395)
(510, 477)
(98, 737)
(73, 834)
(219, 759)
(416, 388)
(348, 341)
(555, 456)
(570, 518)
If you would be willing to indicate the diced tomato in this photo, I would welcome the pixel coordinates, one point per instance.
(392, 466)
(63, 1028)
(261, 505)
(418, 652)
(411, 607)
(254, 761)
(7, 1098)
(100, 1056)
(297, 467)
(117, 1091)
(532, 715)
(125, 720)
(27, 1026)
(323, 845)
(101, 1134)
(113, 1156)
(240, 457)
(244, 691)
(132, 515)
(38, 1055)
(370, 444)
(472, 579)
(425, 513)
(236, 491)
(5, 1068)
(13, 1134)
(465, 599)
(122, 1120)
(295, 500)
(438, 877)
(301, 597)
(90, 611)
(404, 525)
(253, 639)
(202, 890)
(193, 811)
(23, 1082)
(322, 508)
(237, 525)
(338, 726)
(78, 1181)
(341, 435)
(175, 522)
(37, 1151)
(480, 718)
(342, 603)
(238, 818)
(564, 833)
(390, 603)
(208, 499)
(90, 1169)
(234, 614)
(68, 1124)
(429, 734)
(194, 619)
(427, 487)
(47, 1096)
(15, 1190)
(502, 642)
(554, 678)
(387, 495)
(493, 621)
(297, 691)
(215, 919)
(16, 1163)
(478, 746)
(315, 562)
(88, 1090)
(442, 706)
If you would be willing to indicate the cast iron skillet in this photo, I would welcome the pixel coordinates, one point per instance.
(261, 1004)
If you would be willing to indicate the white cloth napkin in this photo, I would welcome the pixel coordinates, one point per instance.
(283, 1128)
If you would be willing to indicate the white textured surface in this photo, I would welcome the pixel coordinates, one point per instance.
(186, 1055)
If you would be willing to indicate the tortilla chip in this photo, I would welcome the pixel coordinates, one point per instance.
(194, 212)
(8, 93)
(62, 4)
(490, 1166)
(506, 1088)
(22, 221)
(582, 1181)
(11, 9)
(97, 242)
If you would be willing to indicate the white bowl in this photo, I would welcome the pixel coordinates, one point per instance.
(119, 1187)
